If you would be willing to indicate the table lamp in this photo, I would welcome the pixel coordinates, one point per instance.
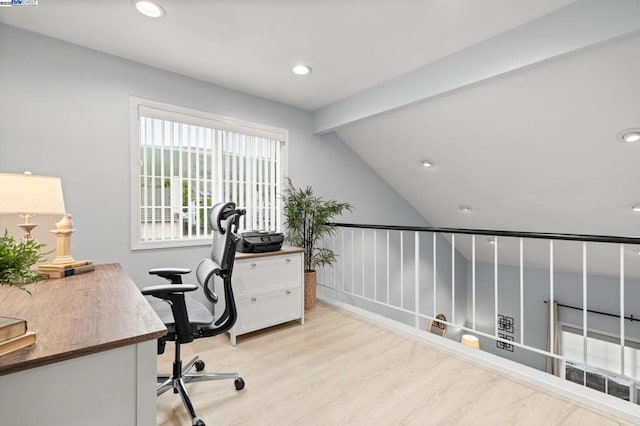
(28, 195)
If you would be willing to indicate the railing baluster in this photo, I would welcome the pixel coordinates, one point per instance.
(388, 267)
(435, 279)
(333, 270)
(495, 284)
(402, 269)
(375, 265)
(353, 262)
(521, 291)
(362, 258)
(584, 312)
(551, 304)
(473, 281)
(342, 256)
(453, 278)
(417, 280)
(621, 308)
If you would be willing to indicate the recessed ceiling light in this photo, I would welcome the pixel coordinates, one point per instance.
(465, 208)
(301, 69)
(427, 163)
(150, 9)
(629, 135)
(635, 208)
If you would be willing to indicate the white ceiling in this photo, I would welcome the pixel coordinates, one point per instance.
(530, 150)
(251, 45)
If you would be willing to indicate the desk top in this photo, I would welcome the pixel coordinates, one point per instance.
(79, 315)
(285, 250)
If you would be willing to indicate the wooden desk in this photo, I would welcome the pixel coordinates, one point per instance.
(94, 360)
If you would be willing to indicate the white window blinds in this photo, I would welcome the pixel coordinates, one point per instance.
(187, 162)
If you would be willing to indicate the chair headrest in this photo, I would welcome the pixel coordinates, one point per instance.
(219, 214)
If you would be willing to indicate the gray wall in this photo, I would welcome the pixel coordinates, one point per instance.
(64, 111)
(364, 272)
(603, 295)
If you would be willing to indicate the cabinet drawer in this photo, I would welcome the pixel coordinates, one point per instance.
(264, 273)
(263, 310)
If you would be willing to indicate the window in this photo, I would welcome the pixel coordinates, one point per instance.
(602, 372)
(185, 161)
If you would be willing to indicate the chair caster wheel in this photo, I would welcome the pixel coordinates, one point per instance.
(199, 423)
(199, 366)
(239, 383)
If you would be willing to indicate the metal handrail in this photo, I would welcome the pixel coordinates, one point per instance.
(493, 233)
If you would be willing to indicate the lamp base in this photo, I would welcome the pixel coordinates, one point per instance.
(27, 226)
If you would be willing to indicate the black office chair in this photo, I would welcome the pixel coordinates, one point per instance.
(187, 319)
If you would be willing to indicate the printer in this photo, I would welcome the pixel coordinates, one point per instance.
(259, 242)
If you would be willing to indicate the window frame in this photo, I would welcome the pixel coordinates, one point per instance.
(607, 375)
(194, 117)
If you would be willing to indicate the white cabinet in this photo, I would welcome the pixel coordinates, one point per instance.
(268, 289)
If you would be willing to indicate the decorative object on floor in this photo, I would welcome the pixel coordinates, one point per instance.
(307, 218)
(438, 325)
(16, 259)
(470, 341)
(28, 195)
(506, 325)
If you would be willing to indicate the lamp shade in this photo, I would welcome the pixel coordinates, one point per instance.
(30, 194)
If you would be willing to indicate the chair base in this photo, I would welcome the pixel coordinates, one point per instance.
(177, 383)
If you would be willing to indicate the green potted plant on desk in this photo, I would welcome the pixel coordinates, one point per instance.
(16, 260)
(307, 217)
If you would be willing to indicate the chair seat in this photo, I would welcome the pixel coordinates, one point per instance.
(198, 314)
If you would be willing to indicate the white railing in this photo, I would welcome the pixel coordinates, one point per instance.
(496, 292)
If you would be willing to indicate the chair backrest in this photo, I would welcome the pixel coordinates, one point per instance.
(224, 220)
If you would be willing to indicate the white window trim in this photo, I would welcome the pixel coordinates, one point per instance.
(199, 118)
(599, 334)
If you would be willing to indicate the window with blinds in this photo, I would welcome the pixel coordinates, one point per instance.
(185, 161)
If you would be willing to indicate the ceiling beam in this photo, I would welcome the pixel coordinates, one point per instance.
(580, 25)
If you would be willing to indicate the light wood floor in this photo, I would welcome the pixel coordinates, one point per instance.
(337, 369)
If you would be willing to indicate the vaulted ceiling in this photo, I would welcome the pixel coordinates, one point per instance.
(517, 102)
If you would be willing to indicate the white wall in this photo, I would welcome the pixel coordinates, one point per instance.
(64, 111)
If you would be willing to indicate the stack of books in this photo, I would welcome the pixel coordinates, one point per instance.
(14, 335)
(67, 269)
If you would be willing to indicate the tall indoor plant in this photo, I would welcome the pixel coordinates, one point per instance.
(307, 223)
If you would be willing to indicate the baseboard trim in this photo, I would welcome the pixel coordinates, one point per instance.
(575, 392)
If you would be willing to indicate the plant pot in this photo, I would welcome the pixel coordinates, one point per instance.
(310, 299)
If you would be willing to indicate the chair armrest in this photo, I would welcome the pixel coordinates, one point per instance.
(166, 289)
(171, 274)
(174, 294)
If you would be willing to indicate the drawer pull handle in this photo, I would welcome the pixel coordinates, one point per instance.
(288, 291)
(253, 265)
(288, 260)
(253, 299)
